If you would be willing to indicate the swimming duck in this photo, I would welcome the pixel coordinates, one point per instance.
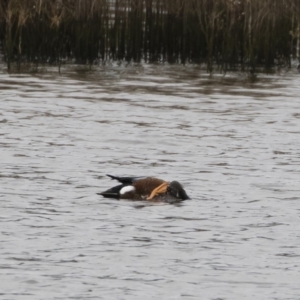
(146, 188)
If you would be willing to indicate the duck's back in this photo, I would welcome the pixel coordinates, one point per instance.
(146, 185)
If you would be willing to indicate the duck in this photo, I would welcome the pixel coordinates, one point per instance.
(146, 188)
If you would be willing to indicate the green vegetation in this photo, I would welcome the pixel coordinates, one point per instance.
(229, 34)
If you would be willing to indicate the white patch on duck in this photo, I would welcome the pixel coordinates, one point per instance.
(126, 189)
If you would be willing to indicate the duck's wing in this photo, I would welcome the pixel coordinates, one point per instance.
(145, 186)
(125, 180)
(113, 192)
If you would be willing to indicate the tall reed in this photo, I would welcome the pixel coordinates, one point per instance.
(229, 34)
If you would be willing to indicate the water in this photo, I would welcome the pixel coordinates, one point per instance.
(232, 142)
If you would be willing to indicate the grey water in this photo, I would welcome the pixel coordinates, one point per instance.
(231, 140)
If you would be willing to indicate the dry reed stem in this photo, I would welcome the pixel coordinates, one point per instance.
(226, 32)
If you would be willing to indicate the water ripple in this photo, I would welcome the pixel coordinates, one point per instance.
(233, 143)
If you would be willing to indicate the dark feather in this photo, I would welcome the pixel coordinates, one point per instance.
(125, 180)
(114, 192)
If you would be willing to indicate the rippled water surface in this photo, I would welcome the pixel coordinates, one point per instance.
(234, 144)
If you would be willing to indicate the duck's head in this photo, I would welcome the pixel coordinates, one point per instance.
(176, 190)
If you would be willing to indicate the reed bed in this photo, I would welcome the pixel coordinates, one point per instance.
(227, 34)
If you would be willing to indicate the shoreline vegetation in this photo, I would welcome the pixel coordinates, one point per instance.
(241, 35)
